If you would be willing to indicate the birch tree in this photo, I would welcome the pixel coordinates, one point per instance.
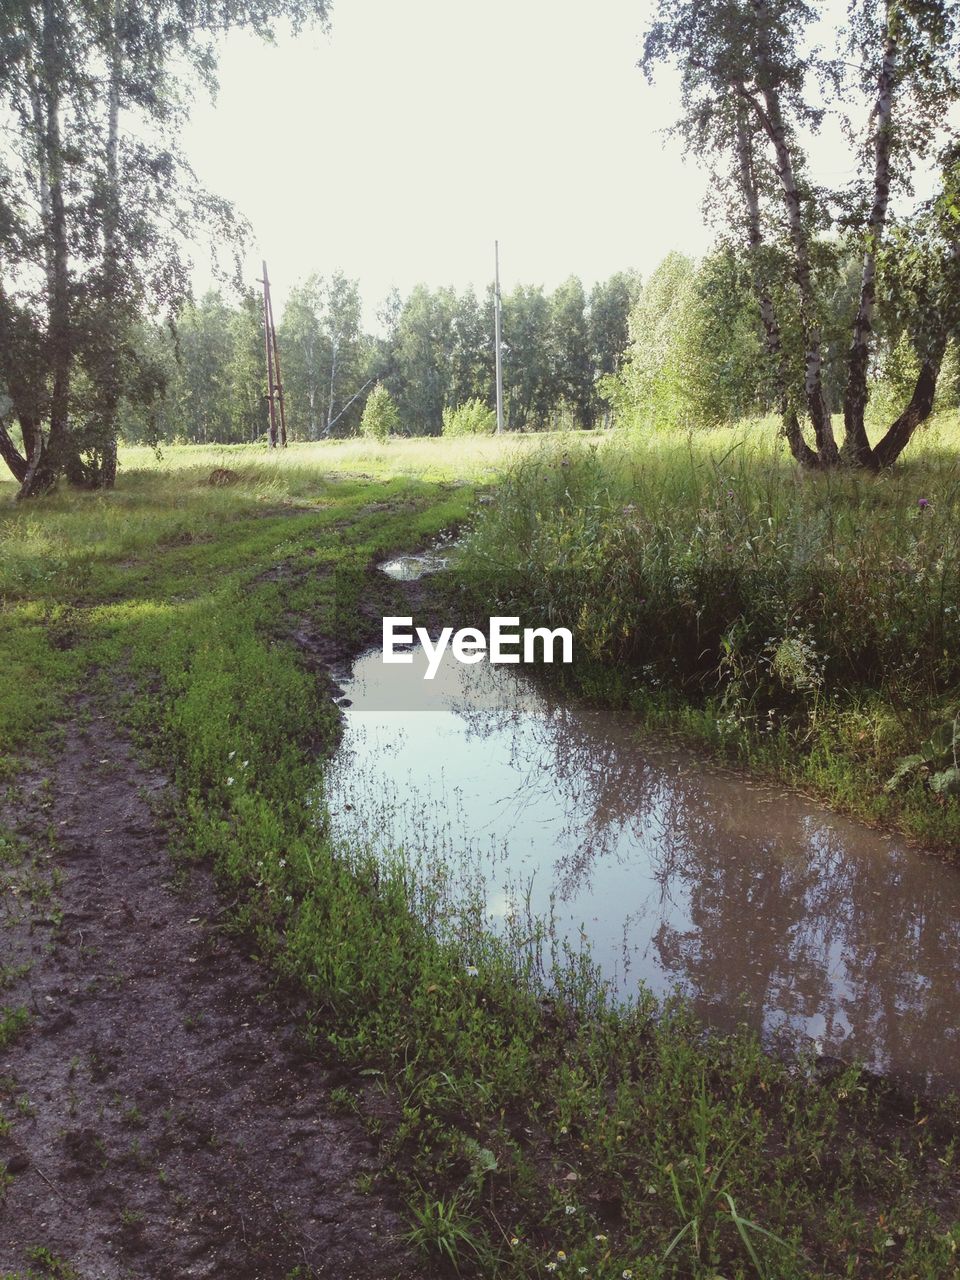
(755, 88)
(93, 211)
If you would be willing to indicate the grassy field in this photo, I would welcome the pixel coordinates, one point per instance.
(530, 1135)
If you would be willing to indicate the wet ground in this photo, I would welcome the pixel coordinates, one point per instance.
(759, 905)
(166, 1119)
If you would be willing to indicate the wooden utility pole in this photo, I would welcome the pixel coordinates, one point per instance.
(278, 417)
(496, 331)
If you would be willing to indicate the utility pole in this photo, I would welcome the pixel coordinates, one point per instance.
(274, 379)
(496, 331)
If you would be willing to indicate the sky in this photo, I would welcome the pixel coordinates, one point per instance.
(399, 146)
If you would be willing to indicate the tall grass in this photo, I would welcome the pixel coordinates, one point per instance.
(799, 614)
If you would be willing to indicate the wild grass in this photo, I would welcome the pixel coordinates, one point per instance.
(530, 1134)
(806, 623)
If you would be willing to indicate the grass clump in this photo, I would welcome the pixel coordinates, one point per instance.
(472, 418)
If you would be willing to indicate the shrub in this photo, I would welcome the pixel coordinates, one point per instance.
(472, 418)
(380, 418)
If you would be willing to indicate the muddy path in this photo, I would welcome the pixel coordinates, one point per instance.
(165, 1119)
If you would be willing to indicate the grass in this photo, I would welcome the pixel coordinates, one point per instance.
(528, 1134)
(807, 625)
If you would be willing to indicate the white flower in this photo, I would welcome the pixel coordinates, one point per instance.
(282, 862)
(472, 971)
(600, 1239)
(244, 764)
(569, 1208)
(627, 1274)
(551, 1266)
(231, 755)
(229, 782)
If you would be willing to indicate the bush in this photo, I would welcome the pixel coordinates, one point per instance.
(380, 418)
(472, 418)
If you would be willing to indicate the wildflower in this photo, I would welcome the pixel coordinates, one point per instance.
(563, 1128)
(514, 1241)
(244, 764)
(923, 503)
(561, 1256)
(551, 1266)
(282, 862)
(600, 1239)
(288, 898)
(627, 1274)
(581, 1271)
(569, 1208)
(229, 782)
(231, 755)
(472, 971)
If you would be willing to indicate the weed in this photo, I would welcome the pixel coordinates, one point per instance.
(442, 1227)
(13, 1022)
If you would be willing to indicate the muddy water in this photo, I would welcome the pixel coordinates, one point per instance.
(758, 905)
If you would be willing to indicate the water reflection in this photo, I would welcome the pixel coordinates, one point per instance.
(410, 567)
(757, 904)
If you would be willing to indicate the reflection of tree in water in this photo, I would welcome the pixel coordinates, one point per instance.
(586, 764)
(862, 945)
(798, 922)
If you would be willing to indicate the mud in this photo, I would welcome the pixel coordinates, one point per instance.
(166, 1120)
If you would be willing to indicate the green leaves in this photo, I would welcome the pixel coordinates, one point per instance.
(941, 748)
(380, 418)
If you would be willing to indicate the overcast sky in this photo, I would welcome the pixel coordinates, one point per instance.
(399, 146)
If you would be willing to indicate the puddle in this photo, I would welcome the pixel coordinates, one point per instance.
(761, 907)
(409, 568)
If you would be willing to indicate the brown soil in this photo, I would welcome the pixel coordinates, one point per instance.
(167, 1121)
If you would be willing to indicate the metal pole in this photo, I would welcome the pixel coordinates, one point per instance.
(496, 330)
(269, 347)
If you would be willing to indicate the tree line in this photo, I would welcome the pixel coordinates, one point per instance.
(433, 351)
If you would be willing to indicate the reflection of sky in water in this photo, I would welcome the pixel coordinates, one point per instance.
(759, 905)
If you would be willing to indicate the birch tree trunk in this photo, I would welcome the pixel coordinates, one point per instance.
(771, 118)
(46, 457)
(918, 409)
(771, 327)
(111, 258)
(856, 445)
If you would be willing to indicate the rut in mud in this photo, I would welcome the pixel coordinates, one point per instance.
(167, 1121)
